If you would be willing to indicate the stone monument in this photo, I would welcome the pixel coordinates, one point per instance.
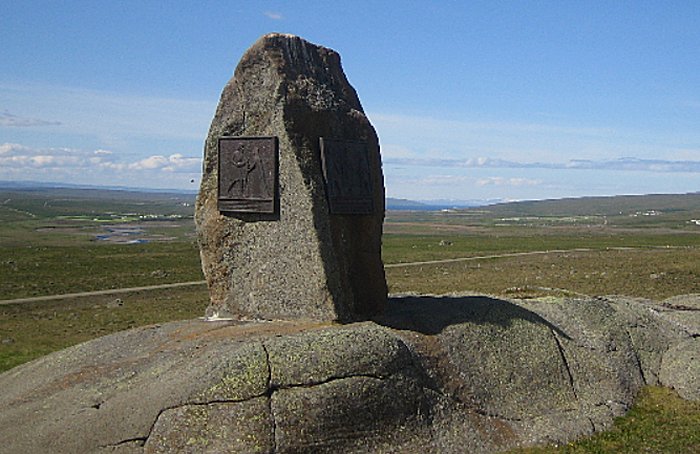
(290, 210)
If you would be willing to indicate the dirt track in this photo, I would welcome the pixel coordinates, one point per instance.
(112, 291)
(387, 266)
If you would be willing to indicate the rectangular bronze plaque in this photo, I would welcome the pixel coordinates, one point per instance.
(347, 175)
(247, 174)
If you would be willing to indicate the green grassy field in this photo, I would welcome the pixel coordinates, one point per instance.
(50, 241)
(49, 270)
(637, 246)
(30, 330)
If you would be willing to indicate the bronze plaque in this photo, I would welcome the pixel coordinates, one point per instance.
(347, 175)
(247, 174)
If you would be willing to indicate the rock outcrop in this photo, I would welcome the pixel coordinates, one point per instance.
(434, 374)
(302, 260)
(680, 368)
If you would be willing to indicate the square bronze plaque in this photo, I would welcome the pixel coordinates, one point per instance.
(347, 175)
(247, 174)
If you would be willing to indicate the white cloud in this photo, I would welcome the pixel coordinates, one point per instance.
(180, 163)
(9, 148)
(19, 157)
(173, 163)
(152, 162)
(273, 15)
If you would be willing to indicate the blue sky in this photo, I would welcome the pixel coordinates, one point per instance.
(471, 100)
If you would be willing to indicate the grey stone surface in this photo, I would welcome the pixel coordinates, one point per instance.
(301, 262)
(684, 311)
(431, 375)
(110, 391)
(650, 332)
(356, 413)
(232, 427)
(338, 352)
(680, 369)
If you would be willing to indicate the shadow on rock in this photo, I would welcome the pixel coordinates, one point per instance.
(430, 315)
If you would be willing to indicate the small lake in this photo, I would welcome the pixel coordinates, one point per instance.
(123, 235)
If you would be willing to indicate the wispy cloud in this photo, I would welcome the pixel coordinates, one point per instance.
(622, 164)
(461, 180)
(635, 164)
(440, 125)
(500, 181)
(273, 15)
(441, 180)
(15, 121)
(448, 138)
(107, 115)
(544, 141)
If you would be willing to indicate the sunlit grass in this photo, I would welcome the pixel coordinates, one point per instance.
(654, 274)
(659, 422)
(30, 330)
(47, 270)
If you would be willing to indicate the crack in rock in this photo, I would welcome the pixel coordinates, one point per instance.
(680, 307)
(326, 381)
(193, 403)
(182, 405)
(560, 347)
(637, 360)
(140, 441)
(269, 392)
(590, 420)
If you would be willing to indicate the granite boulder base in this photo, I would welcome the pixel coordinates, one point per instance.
(433, 374)
(274, 244)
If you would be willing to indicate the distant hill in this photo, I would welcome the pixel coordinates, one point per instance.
(39, 185)
(433, 205)
(601, 206)
(404, 204)
(48, 201)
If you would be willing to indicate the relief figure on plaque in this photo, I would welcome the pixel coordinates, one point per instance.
(247, 174)
(257, 182)
(238, 172)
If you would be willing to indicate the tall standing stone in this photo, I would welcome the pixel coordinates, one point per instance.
(312, 248)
